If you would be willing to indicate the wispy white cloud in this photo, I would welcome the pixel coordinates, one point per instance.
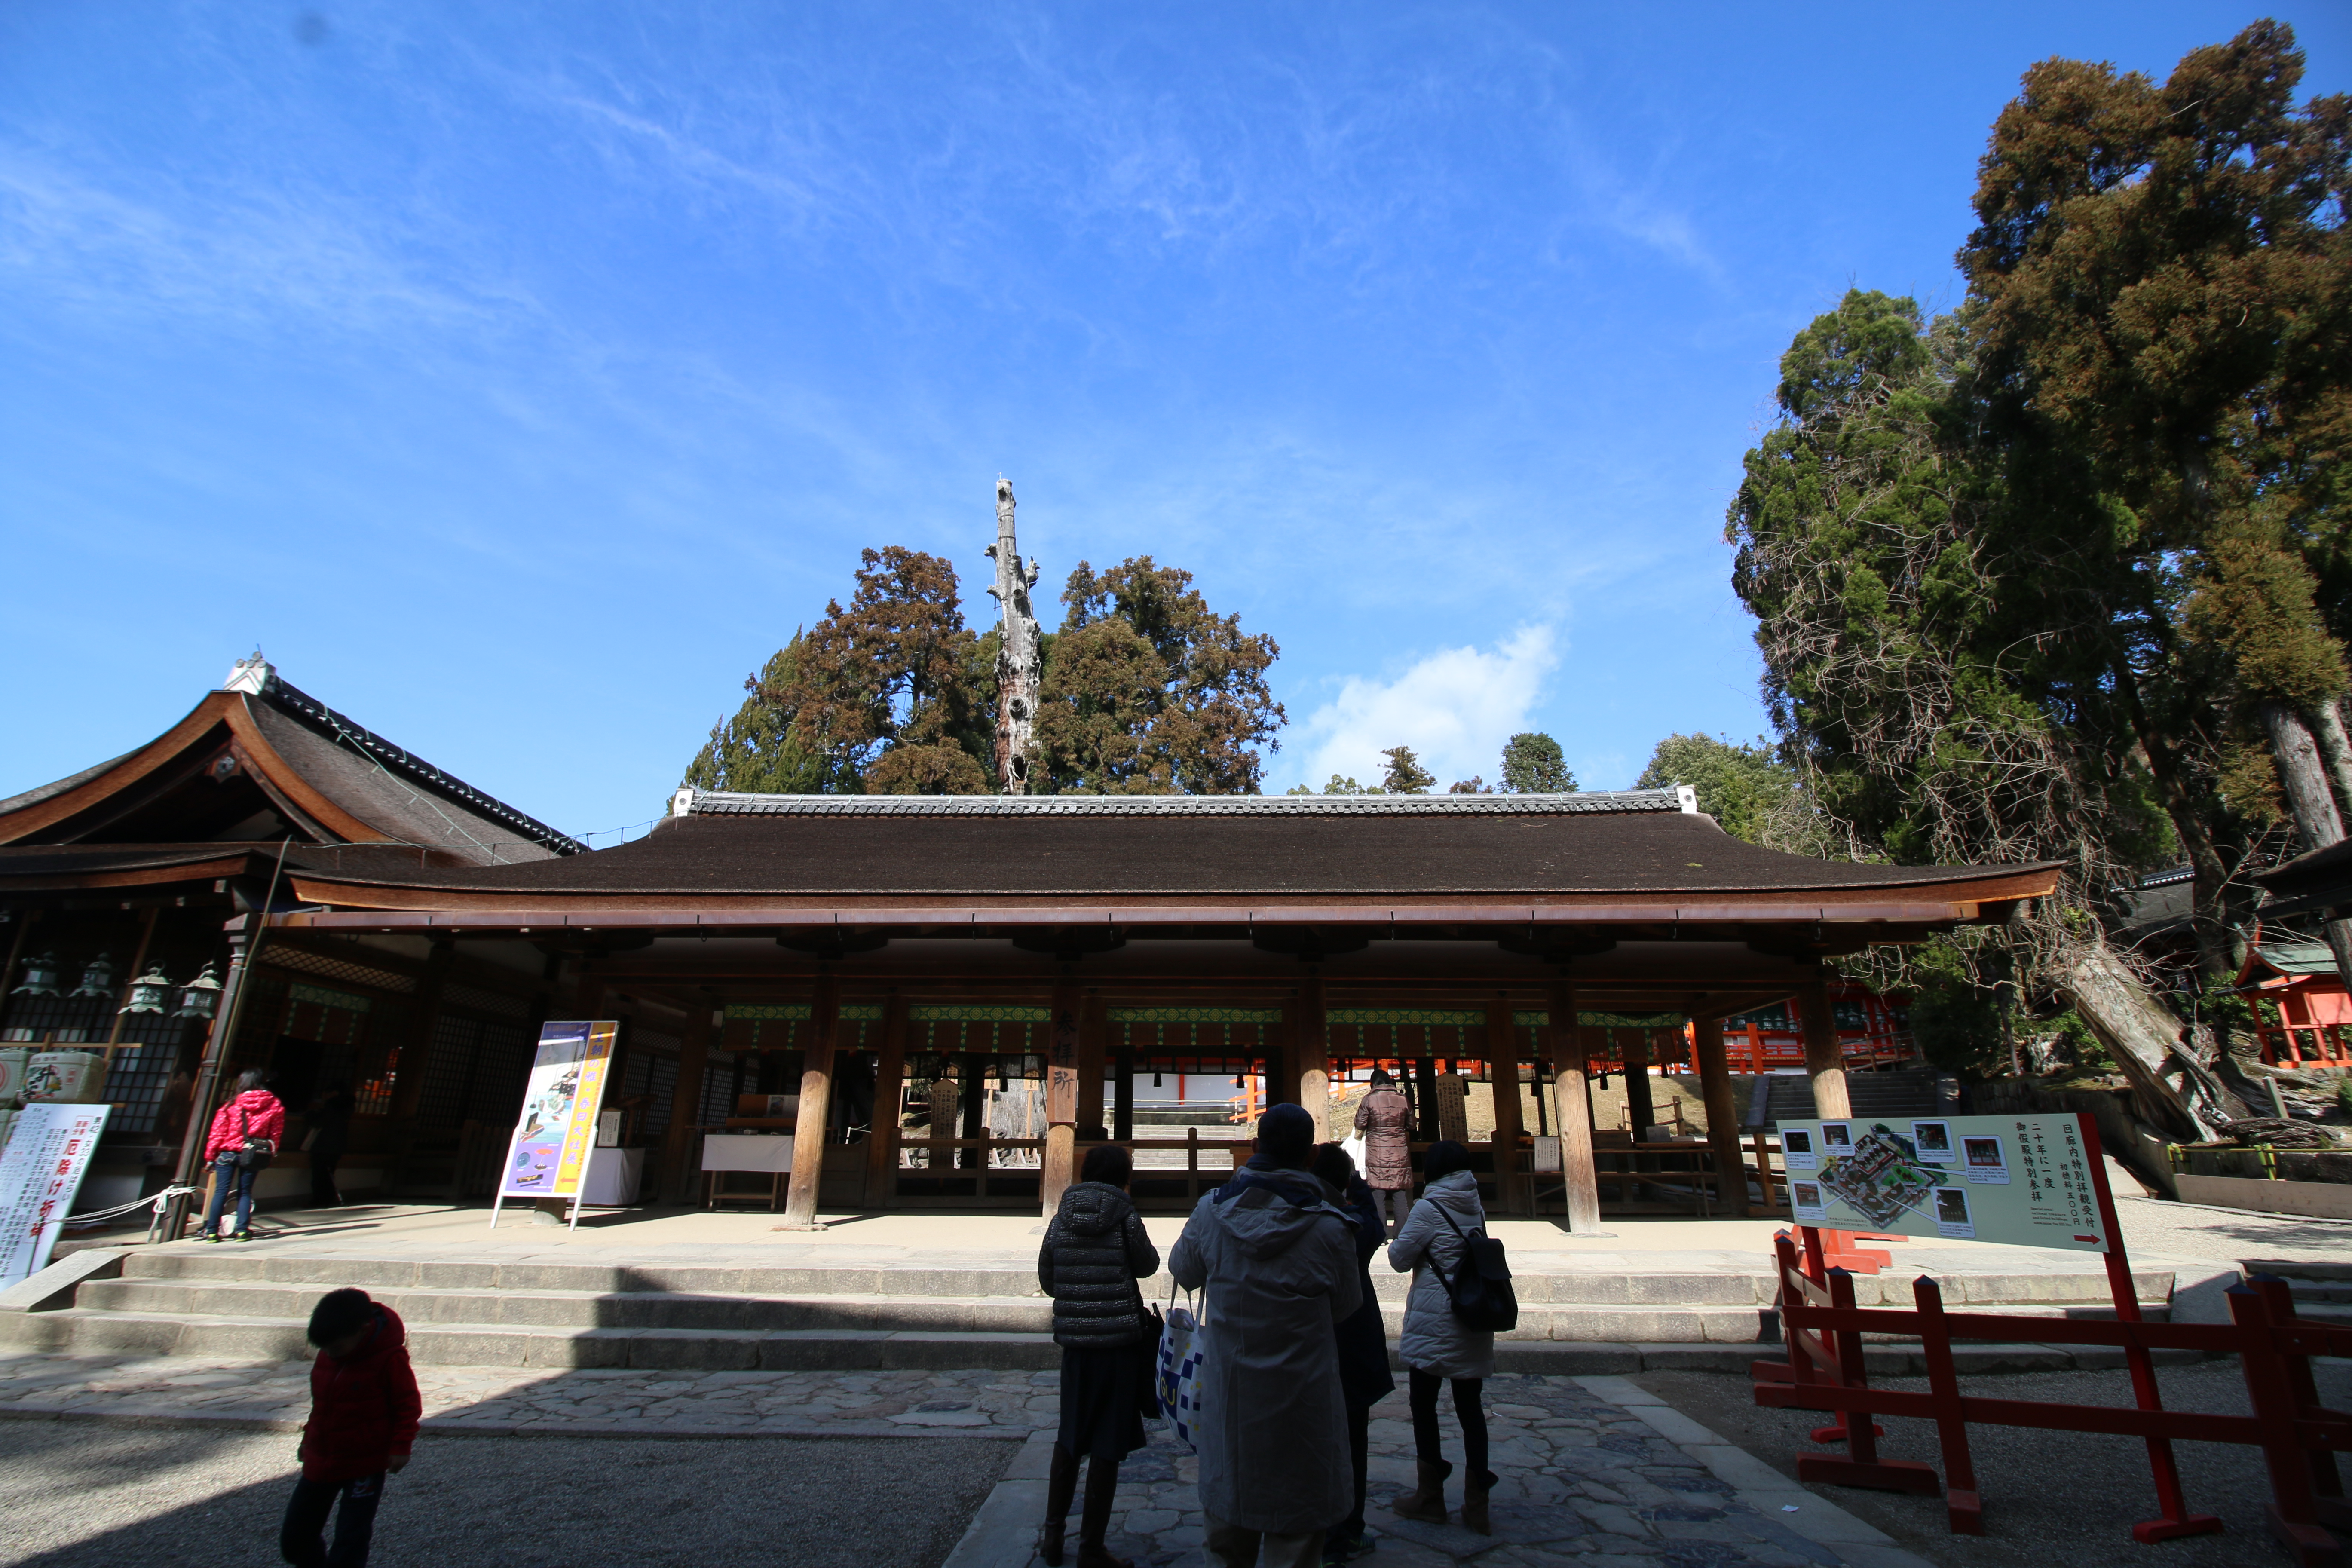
(1454, 708)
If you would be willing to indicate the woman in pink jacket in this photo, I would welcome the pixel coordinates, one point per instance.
(245, 1134)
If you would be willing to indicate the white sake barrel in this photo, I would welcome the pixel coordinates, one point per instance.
(73, 1077)
(13, 1060)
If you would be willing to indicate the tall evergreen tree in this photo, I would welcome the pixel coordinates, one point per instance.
(1532, 765)
(1749, 789)
(754, 752)
(1149, 691)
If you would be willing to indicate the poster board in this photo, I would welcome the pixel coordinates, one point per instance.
(47, 1156)
(2021, 1180)
(547, 1157)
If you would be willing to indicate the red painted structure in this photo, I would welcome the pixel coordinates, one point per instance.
(2301, 1009)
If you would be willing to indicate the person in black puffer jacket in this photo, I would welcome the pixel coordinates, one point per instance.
(1095, 1251)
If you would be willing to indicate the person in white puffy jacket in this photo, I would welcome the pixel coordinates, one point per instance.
(1438, 1347)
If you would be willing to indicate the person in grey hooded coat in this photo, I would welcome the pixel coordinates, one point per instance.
(1278, 1261)
(1438, 1347)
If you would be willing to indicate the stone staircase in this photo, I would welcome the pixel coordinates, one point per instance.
(1876, 1096)
(2322, 1291)
(197, 1301)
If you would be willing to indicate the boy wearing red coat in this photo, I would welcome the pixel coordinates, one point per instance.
(363, 1413)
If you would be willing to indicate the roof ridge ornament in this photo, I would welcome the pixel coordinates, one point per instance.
(250, 676)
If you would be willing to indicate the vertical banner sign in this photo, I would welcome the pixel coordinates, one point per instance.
(38, 1177)
(2026, 1181)
(1062, 1073)
(549, 1154)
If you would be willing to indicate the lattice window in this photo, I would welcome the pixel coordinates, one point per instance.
(339, 969)
(652, 1070)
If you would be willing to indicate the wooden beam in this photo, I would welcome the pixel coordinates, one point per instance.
(1571, 1112)
(815, 1107)
(889, 1090)
(676, 1180)
(1824, 1063)
(1722, 1116)
(1310, 1047)
(1502, 1049)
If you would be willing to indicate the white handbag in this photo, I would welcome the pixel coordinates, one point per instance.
(1180, 1351)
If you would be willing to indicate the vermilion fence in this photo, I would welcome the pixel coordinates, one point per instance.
(2299, 1437)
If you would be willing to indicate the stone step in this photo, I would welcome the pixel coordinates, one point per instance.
(1536, 1287)
(79, 1332)
(667, 1312)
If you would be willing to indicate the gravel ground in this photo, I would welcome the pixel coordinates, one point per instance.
(94, 1493)
(2048, 1497)
(2154, 1229)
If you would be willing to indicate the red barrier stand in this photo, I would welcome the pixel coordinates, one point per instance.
(1823, 1331)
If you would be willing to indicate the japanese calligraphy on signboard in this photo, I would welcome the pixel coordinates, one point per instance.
(48, 1155)
(549, 1153)
(2026, 1181)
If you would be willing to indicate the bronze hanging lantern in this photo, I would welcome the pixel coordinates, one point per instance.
(199, 996)
(41, 976)
(98, 979)
(149, 993)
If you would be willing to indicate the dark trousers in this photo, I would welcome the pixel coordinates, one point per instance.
(1359, 1454)
(1424, 1387)
(228, 1177)
(303, 1540)
(323, 1194)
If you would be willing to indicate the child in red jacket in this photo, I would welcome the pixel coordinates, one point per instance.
(364, 1414)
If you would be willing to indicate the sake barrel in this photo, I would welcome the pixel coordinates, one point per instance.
(74, 1077)
(13, 1060)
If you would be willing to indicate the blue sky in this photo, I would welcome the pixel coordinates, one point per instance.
(519, 377)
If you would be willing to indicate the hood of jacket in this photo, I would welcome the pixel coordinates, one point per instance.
(1268, 1210)
(253, 1102)
(1456, 1192)
(390, 1334)
(1093, 1208)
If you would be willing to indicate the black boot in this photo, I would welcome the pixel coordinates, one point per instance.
(1102, 1482)
(1061, 1486)
(1425, 1502)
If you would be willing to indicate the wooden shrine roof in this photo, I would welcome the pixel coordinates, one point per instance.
(1365, 854)
(253, 764)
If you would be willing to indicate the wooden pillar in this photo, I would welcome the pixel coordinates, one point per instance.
(1094, 1038)
(1722, 1116)
(1503, 1076)
(1823, 1063)
(1634, 1044)
(1310, 1055)
(676, 1180)
(815, 1107)
(1056, 1170)
(890, 1091)
(1571, 1112)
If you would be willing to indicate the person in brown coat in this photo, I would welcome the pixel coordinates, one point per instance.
(1385, 1119)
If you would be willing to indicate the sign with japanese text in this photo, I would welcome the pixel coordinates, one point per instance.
(2025, 1180)
(549, 1153)
(39, 1175)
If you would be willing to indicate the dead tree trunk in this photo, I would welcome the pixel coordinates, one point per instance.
(2310, 803)
(2334, 747)
(2138, 1031)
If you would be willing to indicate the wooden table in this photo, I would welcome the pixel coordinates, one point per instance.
(765, 1152)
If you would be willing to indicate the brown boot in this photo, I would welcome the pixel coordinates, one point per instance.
(1475, 1487)
(1425, 1502)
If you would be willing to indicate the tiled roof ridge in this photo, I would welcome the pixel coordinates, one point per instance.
(314, 715)
(720, 803)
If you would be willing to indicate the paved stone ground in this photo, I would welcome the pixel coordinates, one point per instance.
(581, 1402)
(1591, 1472)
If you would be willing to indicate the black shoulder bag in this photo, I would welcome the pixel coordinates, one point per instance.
(252, 1153)
(1481, 1289)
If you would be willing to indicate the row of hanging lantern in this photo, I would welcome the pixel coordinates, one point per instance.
(151, 992)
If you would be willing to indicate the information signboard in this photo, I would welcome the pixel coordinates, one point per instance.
(547, 1155)
(39, 1175)
(2025, 1180)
